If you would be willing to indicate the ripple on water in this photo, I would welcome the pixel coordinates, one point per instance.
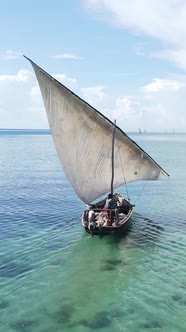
(13, 268)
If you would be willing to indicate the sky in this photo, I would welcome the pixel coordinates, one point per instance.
(126, 58)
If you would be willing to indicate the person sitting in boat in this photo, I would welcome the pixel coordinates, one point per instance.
(91, 218)
(111, 203)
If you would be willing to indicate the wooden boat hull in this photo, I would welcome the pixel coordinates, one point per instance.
(108, 230)
(125, 210)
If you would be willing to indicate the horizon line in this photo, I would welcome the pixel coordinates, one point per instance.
(172, 131)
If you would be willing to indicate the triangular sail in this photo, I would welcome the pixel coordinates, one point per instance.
(83, 140)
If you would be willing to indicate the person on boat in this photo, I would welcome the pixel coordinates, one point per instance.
(111, 203)
(91, 218)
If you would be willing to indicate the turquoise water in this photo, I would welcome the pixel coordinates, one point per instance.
(55, 277)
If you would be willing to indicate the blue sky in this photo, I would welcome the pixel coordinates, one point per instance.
(126, 58)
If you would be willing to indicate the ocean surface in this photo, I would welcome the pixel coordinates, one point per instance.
(55, 277)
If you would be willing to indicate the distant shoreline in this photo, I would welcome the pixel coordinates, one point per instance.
(7, 131)
(48, 131)
(2, 129)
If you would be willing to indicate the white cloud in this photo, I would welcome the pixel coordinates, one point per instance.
(93, 94)
(126, 107)
(158, 84)
(162, 20)
(66, 80)
(65, 56)
(165, 109)
(139, 50)
(22, 76)
(158, 106)
(178, 56)
(161, 103)
(127, 112)
(10, 55)
(35, 92)
(18, 109)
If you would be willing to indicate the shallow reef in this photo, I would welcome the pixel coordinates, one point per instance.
(23, 325)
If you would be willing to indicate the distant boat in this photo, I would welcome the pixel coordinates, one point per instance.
(96, 155)
(139, 131)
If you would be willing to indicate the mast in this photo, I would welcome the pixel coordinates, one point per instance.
(113, 136)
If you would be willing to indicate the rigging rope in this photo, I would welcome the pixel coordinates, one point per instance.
(141, 191)
(128, 198)
(146, 182)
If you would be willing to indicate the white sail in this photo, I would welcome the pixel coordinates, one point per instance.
(83, 140)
